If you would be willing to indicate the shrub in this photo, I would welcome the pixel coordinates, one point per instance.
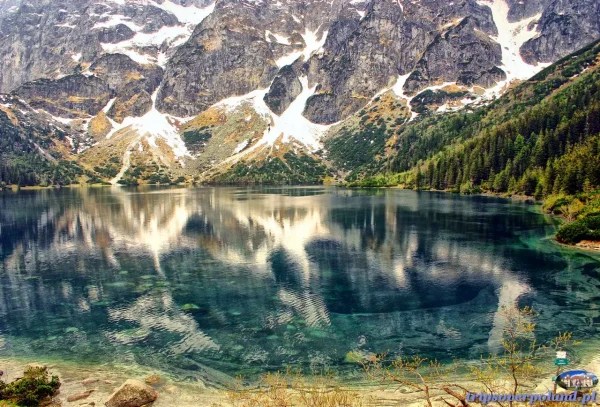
(573, 209)
(292, 389)
(34, 387)
(554, 203)
(572, 233)
(593, 222)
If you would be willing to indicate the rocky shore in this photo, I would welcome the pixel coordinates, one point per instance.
(589, 245)
(117, 387)
(122, 386)
(127, 386)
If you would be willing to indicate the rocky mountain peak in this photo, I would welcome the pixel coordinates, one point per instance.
(268, 72)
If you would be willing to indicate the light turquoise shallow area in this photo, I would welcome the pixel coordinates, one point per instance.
(217, 282)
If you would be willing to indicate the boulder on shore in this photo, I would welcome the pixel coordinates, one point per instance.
(132, 393)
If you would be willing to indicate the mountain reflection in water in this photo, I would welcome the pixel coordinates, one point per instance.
(243, 280)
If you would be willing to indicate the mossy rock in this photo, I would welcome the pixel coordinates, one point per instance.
(190, 307)
(354, 357)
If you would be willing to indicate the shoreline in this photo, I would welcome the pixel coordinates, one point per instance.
(16, 188)
(98, 382)
(592, 246)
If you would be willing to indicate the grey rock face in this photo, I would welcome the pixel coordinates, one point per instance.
(114, 75)
(565, 26)
(235, 50)
(147, 16)
(38, 42)
(350, 50)
(69, 97)
(460, 55)
(7, 5)
(285, 88)
(23, 131)
(133, 101)
(48, 39)
(364, 62)
(115, 34)
(119, 71)
(392, 40)
(227, 55)
(519, 9)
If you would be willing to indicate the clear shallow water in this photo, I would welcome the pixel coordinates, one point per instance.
(213, 283)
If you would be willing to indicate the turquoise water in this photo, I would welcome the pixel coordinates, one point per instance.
(218, 282)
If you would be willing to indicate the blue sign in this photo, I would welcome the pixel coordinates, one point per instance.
(577, 380)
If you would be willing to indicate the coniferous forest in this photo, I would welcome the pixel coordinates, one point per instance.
(541, 138)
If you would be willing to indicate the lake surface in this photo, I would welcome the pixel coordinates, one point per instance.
(217, 282)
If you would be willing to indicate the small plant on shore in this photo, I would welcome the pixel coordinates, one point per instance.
(513, 370)
(291, 389)
(34, 387)
(415, 374)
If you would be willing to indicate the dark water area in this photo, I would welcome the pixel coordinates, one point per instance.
(200, 282)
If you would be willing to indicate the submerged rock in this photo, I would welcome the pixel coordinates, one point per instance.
(89, 381)
(153, 380)
(79, 396)
(132, 393)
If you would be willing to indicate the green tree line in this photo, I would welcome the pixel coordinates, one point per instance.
(542, 138)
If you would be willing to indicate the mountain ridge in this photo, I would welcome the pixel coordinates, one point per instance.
(136, 77)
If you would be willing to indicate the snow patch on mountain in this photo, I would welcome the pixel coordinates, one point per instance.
(312, 42)
(241, 146)
(290, 126)
(189, 17)
(280, 39)
(288, 59)
(153, 126)
(232, 103)
(398, 89)
(130, 51)
(62, 120)
(293, 125)
(172, 36)
(116, 19)
(511, 37)
(156, 124)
